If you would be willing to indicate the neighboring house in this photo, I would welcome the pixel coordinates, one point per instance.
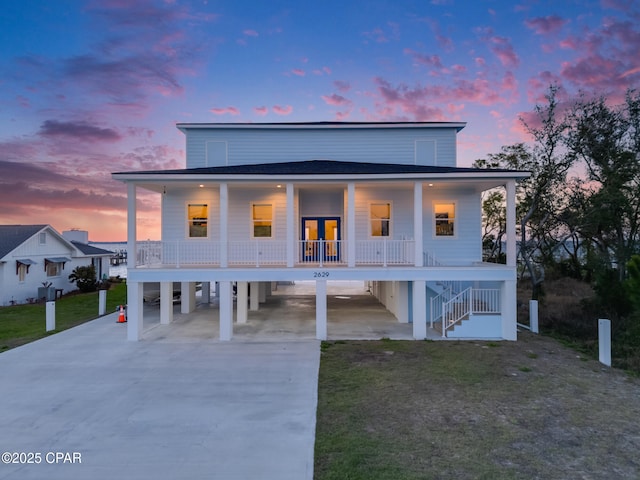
(35, 256)
(381, 202)
(87, 254)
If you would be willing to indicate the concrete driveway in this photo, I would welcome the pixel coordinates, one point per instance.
(85, 403)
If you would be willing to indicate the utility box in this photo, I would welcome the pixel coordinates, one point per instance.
(48, 293)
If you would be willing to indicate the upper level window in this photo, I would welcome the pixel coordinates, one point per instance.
(262, 219)
(380, 219)
(445, 219)
(198, 219)
(42, 238)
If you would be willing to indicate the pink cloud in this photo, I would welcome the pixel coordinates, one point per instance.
(326, 70)
(417, 103)
(342, 86)
(546, 25)
(78, 131)
(262, 111)
(570, 42)
(622, 5)
(282, 110)
(426, 60)
(225, 111)
(250, 33)
(503, 49)
(335, 100)
(299, 72)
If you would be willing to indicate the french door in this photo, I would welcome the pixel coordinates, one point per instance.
(321, 239)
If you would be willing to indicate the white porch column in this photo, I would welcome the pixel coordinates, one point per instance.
(166, 303)
(263, 292)
(223, 227)
(187, 297)
(417, 224)
(135, 318)
(226, 311)
(291, 227)
(402, 301)
(509, 310)
(419, 309)
(351, 224)
(206, 292)
(511, 223)
(132, 254)
(242, 302)
(321, 309)
(254, 294)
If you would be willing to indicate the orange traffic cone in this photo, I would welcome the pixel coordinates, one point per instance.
(122, 318)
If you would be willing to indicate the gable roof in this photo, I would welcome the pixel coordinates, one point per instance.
(12, 236)
(87, 249)
(321, 167)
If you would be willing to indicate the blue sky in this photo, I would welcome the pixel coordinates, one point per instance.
(92, 87)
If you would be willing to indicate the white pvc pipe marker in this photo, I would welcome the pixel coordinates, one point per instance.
(102, 302)
(51, 316)
(604, 341)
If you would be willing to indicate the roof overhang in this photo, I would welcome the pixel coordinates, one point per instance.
(183, 127)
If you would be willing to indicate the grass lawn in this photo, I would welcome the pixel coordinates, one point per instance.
(473, 410)
(22, 324)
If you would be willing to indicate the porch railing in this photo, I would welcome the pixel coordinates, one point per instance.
(469, 302)
(385, 252)
(260, 252)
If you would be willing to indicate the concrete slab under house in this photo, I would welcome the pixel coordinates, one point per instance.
(261, 206)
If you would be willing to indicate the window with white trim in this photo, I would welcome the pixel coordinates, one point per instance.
(198, 220)
(445, 219)
(42, 238)
(380, 219)
(22, 272)
(54, 269)
(261, 220)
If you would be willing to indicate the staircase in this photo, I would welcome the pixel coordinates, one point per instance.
(463, 306)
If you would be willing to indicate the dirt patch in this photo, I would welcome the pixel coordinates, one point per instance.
(526, 409)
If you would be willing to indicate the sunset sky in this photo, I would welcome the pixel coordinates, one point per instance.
(93, 87)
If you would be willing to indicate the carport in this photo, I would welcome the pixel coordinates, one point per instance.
(288, 313)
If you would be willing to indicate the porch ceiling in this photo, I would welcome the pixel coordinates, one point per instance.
(469, 184)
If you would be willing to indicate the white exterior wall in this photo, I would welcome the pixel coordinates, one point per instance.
(401, 210)
(465, 246)
(12, 289)
(174, 212)
(217, 147)
(462, 249)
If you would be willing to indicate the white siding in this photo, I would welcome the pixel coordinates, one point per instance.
(466, 246)
(12, 289)
(401, 210)
(240, 215)
(174, 212)
(391, 145)
(463, 249)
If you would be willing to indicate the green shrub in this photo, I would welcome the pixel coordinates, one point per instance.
(84, 278)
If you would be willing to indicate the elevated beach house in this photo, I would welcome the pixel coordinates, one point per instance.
(378, 202)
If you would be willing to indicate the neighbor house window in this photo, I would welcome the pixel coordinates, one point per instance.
(22, 272)
(380, 219)
(53, 268)
(445, 218)
(42, 238)
(262, 218)
(198, 218)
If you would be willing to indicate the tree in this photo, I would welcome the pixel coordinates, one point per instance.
(540, 197)
(84, 278)
(607, 140)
